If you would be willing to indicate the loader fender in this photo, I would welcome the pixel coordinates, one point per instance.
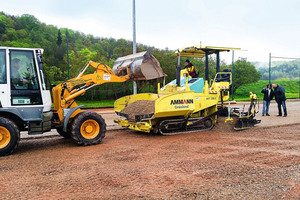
(68, 115)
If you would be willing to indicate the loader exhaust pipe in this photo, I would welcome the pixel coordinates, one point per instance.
(143, 66)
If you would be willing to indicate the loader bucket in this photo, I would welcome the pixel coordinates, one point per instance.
(143, 66)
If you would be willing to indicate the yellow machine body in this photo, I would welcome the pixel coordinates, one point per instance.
(140, 66)
(186, 103)
(172, 102)
(65, 93)
(26, 103)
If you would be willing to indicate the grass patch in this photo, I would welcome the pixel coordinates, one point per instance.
(97, 104)
(242, 93)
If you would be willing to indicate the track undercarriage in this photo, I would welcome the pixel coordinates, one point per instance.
(179, 126)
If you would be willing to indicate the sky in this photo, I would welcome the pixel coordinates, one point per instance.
(259, 27)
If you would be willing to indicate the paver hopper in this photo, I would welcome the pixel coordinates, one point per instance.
(143, 66)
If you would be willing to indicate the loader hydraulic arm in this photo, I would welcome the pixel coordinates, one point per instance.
(65, 93)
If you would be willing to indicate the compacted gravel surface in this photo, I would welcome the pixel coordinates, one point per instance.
(259, 163)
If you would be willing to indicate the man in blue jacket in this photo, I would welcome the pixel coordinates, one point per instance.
(280, 98)
(268, 96)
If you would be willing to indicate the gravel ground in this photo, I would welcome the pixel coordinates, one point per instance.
(259, 163)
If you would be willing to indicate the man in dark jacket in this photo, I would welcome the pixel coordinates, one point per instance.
(268, 96)
(280, 98)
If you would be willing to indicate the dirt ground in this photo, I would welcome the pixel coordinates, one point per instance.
(259, 163)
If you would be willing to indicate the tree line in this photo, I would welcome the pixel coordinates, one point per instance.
(282, 70)
(28, 31)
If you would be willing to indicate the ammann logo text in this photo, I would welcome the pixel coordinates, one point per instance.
(182, 101)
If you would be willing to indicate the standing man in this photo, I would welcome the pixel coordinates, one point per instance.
(268, 96)
(280, 98)
(191, 69)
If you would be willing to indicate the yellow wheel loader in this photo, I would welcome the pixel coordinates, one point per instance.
(25, 101)
(185, 104)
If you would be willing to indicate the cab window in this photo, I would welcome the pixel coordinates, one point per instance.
(24, 80)
(23, 70)
(2, 67)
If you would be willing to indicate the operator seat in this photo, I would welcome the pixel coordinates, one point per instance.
(224, 77)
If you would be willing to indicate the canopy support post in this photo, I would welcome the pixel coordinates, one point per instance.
(218, 62)
(206, 65)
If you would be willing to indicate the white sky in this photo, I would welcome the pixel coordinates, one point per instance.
(258, 26)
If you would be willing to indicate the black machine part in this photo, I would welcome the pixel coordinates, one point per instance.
(177, 126)
(246, 119)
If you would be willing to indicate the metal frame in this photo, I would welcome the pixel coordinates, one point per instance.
(270, 66)
(203, 51)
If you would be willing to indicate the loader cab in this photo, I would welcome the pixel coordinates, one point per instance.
(22, 79)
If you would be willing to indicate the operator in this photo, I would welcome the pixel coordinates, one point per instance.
(15, 74)
(191, 69)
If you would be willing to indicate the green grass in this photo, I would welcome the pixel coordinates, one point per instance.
(96, 104)
(242, 93)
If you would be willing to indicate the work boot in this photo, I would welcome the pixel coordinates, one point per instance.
(267, 115)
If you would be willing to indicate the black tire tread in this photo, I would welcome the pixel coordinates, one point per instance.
(79, 119)
(16, 132)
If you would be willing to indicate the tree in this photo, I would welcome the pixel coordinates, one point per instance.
(29, 22)
(167, 62)
(244, 73)
(2, 28)
(59, 39)
(28, 31)
(281, 69)
(78, 60)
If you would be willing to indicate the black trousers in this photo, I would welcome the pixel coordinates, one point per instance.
(279, 103)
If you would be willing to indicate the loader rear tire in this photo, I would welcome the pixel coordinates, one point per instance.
(9, 136)
(88, 128)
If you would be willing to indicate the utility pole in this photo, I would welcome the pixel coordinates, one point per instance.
(232, 75)
(134, 42)
(270, 68)
(68, 59)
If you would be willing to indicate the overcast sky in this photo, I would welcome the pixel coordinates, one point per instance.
(258, 26)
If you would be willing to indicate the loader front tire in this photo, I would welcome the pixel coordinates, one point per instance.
(9, 136)
(88, 128)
